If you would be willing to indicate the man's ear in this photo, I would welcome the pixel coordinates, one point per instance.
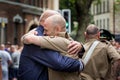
(58, 29)
(85, 34)
(98, 34)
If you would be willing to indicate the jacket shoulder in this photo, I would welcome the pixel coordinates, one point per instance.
(106, 42)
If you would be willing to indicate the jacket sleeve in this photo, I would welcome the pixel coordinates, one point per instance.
(55, 60)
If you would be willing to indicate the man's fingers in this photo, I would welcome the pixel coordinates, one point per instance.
(74, 49)
(72, 43)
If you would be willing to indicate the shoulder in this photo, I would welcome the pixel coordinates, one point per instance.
(4, 52)
(7, 54)
(55, 38)
(103, 46)
(106, 43)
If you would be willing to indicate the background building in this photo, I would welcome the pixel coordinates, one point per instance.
(16, 14)
(106, 16)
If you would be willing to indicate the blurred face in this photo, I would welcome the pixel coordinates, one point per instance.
(49, 30)
(12, 48)
(2, 47)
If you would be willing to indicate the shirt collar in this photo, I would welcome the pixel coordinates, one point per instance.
(63, 34)
(91, 40)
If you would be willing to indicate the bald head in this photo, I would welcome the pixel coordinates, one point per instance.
(57, 21)
(2, 46)
(92, 29)
(54, 24)
(47, 14)
(92, 32)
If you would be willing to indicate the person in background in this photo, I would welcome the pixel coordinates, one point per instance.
(15, 55)
(106, 36)
(103, 63)
(102, 54)
(117, 46)
(32, 24)
(40, 59)
(20, 48)
(6, 61)
(7, 46)
(0, 69)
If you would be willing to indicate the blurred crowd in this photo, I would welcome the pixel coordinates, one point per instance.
(116, 44)
(10, 55)
(105, 35)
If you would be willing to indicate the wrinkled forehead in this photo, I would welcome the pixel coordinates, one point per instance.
(47, 24)
(48, 13)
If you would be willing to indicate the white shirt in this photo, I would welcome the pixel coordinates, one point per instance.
(5, 56)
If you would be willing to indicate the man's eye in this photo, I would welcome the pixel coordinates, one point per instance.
(45, 30)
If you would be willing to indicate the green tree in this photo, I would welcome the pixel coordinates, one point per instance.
(80, 12)
(117, 5)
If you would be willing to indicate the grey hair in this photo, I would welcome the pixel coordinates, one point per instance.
(47, 14)
(92, 29)
(58, 20)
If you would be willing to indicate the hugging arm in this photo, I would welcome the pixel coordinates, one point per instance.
(71, 47)
(54, 60)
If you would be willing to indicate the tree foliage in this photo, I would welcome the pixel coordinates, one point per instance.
(80, 12)
(117, 5)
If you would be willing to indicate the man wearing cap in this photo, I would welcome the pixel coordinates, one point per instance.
(105, 35)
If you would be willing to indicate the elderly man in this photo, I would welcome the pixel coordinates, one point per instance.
(35, 61)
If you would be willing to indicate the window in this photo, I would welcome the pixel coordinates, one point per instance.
(97, 8)
(38, 3)
(17, 0)
(97, 22)
(100, 23)
(32, 2)
(107, 5)
(45, 4)
(41, 3)
(108, 23)
(103, 6)
(100, 7)
(26, 1)
(103, 23)
(93, 9)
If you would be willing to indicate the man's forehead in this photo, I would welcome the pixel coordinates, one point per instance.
(46, 25)
(47, 21)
